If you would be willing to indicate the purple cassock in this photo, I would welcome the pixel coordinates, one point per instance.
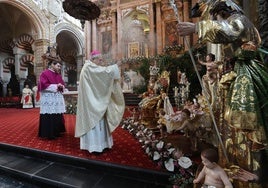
(52, 105)
(49, 77)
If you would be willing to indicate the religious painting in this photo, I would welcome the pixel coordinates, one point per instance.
(171, 34)
(133, 49)
(106, 42)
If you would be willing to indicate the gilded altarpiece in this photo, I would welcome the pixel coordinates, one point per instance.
(171, 34)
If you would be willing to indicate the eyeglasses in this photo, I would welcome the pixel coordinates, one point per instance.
(55, 63)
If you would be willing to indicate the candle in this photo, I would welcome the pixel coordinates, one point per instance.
(194, 101)
(176, 91)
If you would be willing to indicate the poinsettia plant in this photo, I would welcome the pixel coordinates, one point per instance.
(164, 154)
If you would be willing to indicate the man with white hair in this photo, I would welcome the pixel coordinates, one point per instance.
(100, 104)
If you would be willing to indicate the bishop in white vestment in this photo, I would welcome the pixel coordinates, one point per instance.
(100, 104)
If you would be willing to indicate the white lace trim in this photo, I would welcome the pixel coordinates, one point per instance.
(52, 103)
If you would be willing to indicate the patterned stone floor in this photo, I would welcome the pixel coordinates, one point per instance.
(10, 182)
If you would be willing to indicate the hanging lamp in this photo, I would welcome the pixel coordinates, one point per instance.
(84, 10)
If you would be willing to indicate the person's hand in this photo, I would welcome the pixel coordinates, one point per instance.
(186, 28)
(60, 87)
(195, 181)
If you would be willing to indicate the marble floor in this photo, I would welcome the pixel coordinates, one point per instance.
(7, 181)
(29, 170)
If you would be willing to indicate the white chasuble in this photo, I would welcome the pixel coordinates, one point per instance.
(100, 106)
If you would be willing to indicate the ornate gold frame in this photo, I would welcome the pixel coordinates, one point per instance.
(133, 49)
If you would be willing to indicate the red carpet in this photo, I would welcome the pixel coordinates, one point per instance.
(20, 126)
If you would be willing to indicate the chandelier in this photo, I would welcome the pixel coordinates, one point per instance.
(84, 10)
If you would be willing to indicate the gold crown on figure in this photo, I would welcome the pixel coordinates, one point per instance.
(154, 70)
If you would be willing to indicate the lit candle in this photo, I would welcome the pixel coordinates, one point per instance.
(176, 91)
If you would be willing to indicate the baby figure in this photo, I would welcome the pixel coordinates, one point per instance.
(215, 176)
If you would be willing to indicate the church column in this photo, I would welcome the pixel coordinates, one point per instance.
(119, 30)
(158, 27)
(94, 38)
(79, 64)
(40, 48)
(195, 20)
(114, 49)
(4, 89)
(186, 19)
(88, 39)
(185, 16)
(19, 72)
(151, 33)
(52, 36)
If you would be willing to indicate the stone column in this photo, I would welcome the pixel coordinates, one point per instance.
(19, 71)
(79, 65)
(119, 34)
(88, 38)
(52, 37)
(151, 44)
(39, 48)
(94, 37)
(186, 19)
(4, 90)
(114, 49)
(195, 20)
(158, 27)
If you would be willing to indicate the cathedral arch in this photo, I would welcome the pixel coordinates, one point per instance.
(25, 41)
(7, 63)
(77, 35)
(70, 42)
(26, 59)
(36, 16)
